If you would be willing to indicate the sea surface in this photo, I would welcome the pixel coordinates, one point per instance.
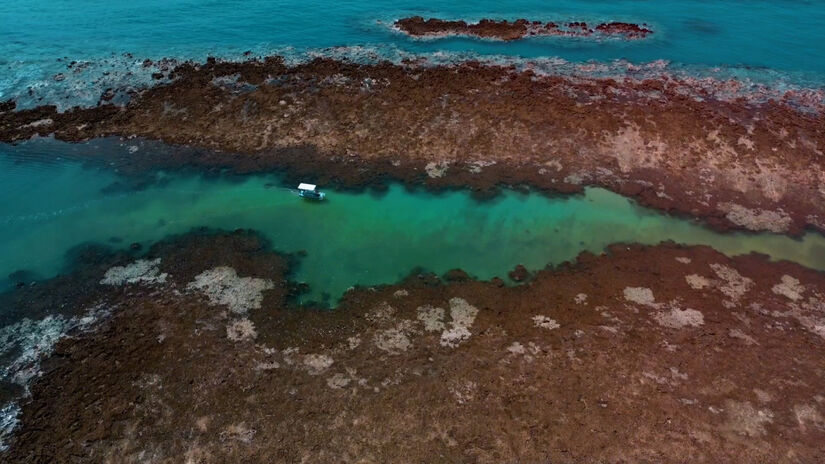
(774, 41)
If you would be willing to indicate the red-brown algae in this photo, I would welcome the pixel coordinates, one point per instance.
(735, 159)
(623, 348)
(417, 26)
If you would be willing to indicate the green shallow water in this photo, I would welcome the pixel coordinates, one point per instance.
(353, 238)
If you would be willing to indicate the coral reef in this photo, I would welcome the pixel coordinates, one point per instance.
(734, 154)
(627, 356)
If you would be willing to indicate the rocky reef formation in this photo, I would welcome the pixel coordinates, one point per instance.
(417, 26)
(736, 158)
(644, 354)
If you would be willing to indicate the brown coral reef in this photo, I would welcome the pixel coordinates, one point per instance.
(644, 355)
(709, 149)
(417, 26)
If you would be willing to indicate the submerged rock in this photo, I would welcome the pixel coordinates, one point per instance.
(456, 275)
(519, 274)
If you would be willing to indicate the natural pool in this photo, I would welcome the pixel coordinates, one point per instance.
(48, 206)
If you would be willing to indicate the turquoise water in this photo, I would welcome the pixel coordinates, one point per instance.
(353, 238)
(779, 40)
(49, 207)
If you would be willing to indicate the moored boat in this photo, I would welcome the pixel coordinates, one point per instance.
(310, 191)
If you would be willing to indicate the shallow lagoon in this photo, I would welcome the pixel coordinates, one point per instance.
(48, 207)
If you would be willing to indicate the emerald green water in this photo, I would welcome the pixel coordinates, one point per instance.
(353, 238)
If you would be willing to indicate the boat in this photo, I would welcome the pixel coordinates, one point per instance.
(310, 192)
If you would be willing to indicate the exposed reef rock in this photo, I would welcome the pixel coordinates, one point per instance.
(645, 354)
(504, 30)
(8, 105)
(700, 148)
(626, 30)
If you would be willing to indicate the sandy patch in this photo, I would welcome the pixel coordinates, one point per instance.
(697, 282)
(756, 219)
(400, 293)
(678, 318)
(40, 123)
(354, 342)
(735, 285)
(142, 271)
(223, 287)
(790, 288)
(317, 363)
(516, 348)
(545, 322)
(394, 340)
(237, 432)
(436, 170)
(762, 395)
(744, 419)
(807, 415)
(382, 313)
(431, 317)
(338, 381)
(639, 295)
(463, 315)
(740, 335)
(241, 330)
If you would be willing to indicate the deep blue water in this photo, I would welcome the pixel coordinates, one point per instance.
(774, 40)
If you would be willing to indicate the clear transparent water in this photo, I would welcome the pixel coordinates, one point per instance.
(353, 238)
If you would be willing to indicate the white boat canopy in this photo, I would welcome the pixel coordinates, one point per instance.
(310, 187)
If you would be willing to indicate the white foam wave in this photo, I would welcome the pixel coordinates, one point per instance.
(29, 342)
(32, 84)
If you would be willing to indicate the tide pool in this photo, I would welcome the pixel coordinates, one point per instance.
(48, 207)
